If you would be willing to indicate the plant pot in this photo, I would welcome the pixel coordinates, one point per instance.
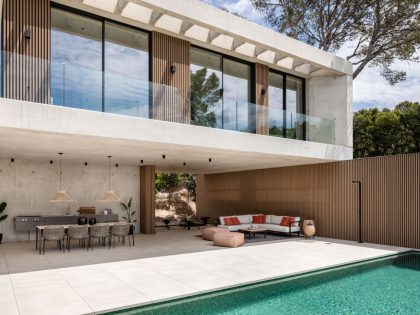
(308, 228)
(1, 237)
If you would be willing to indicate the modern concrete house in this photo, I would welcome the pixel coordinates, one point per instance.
(158, 85)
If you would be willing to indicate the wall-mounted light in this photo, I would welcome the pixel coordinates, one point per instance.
(173, 69)
(12, 160)
(263, 91)
(209, 160)
(116, 165)
(164, 156)
(28, 33)
(86, 163)
(51, 162)
(184, 163)
(141, 161)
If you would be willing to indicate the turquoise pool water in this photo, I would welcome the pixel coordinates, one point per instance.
(384, 286)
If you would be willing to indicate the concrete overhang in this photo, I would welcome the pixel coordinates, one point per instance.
(216, 29)
(38, 131)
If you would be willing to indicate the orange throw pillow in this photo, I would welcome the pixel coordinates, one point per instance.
(228, 221)
(235, 221)
(285, 221)
(258, 219)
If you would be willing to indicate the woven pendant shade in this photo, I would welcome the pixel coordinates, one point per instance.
(61, 195)
(110, 195)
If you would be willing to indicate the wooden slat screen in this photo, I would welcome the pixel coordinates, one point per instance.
(147, 199)
(324, 192)
(171, 90)
(261, 82)
(26, 60)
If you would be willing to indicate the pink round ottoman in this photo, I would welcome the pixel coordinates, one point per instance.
(232, 239)
(209, 232)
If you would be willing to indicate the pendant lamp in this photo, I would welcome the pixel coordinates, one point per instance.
(61, 195)
(110, 196)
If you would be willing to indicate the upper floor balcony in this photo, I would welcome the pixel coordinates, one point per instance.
(203, 104)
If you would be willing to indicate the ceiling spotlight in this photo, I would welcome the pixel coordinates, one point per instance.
(163, 156)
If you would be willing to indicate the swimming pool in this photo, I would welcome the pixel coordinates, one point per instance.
(383, 286)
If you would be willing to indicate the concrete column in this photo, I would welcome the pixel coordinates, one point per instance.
(147, 199)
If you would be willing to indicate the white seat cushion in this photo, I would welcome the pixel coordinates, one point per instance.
(244, 219)
(276, 219)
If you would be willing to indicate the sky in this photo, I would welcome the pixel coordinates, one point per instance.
(369, 88)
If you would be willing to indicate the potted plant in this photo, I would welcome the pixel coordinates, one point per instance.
(3, 217)
(168, 219)
(129, 217)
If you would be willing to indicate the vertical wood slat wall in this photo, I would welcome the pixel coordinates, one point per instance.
(147, 199)
(324, 192)
(26, 60)
(261, 82)
(171, 91)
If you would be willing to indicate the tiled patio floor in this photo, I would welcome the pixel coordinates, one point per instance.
(162, 266)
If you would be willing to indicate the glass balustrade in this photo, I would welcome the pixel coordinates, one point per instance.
(61, 84)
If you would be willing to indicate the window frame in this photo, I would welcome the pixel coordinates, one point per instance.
(303, 80)
(103, 21)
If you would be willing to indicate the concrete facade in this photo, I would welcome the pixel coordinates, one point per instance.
(28, 185)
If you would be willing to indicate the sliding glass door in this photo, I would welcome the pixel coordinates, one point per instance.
(76, 61)
(98, 65)
(220, 92)
(286, 106)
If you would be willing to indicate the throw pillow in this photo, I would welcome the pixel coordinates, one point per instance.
(228, 221)
(235, 221)
(285, 221)
(258, 219)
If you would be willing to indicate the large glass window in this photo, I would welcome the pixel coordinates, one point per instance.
(98, 65)
(295, 119)
(206, 85)
(76, 61)
(126, 71)
(236, 107)
(220, 92)
(286, 106)
(275, 98)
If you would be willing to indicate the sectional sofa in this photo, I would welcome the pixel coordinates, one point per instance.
(269, 222)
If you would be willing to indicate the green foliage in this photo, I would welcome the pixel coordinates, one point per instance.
(3, 206)
(129, 212)
(167, 182)
(387, 132)
(381, 31)
(205, 94)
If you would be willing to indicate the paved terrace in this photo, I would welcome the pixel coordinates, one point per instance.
(169, 264)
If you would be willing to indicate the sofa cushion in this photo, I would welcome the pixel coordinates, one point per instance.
(276, 219)
(234, 228)
(258, 219)
(268, 219)
(280, 228)
(285, 221)
(228, 221)
(235, 221)
(244, 219)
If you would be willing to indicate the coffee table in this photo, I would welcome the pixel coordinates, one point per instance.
(253, 232)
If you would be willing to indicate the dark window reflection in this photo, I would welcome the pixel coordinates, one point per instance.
(76, 61)
(295, 119)
(237, 112)
(275, 98)
(206, 84)
(126, 71)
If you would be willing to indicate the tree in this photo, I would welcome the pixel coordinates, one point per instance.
(387, 132)
(410, 119)
(381, 31)
(205, 94)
